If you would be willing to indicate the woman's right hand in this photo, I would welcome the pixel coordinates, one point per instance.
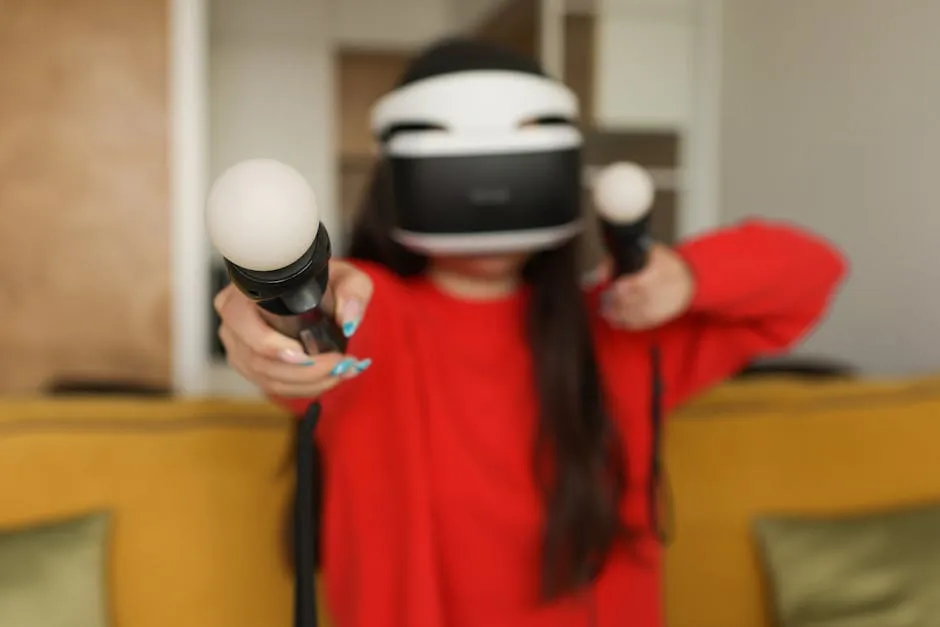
(277, 363)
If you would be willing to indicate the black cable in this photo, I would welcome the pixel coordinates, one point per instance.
(305, 523)
(660, 493)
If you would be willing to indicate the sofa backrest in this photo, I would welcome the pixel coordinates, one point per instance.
(199, 492)
(757, 447)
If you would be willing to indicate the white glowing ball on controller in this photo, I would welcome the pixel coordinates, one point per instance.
(262, 214)
(623, 193)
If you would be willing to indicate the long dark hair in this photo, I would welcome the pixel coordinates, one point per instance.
(578, 456)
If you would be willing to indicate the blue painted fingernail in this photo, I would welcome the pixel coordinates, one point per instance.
(363, 365)
(343, 367)
(351, 316)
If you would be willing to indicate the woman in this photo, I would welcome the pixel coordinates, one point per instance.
(490, 440)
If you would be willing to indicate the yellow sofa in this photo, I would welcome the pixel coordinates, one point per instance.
(765, 447)
(199, 490)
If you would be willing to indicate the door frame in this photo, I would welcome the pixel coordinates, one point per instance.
(700, 204)
(188, 139)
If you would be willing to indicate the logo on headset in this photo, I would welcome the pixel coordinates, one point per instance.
(490, 197)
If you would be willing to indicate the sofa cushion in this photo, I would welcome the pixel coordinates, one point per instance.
(862, 570)
(52, 574)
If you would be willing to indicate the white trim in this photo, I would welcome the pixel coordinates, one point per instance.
(465, 101)
(444, 144)
(700, 205)
(189, 253)
(487, 243)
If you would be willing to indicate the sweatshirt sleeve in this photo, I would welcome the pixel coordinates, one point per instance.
(760, 288)
(368, 339)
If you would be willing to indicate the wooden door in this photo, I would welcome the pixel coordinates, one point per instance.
(84, 216)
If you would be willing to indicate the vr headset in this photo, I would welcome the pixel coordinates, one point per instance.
(482, 161)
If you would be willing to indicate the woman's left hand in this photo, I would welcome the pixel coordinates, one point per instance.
(652, 297)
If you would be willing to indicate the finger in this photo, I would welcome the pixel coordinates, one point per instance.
(626, 285)
(221, 298)
(625, 312)
(601, 274)
(244, 320)
(338, 271)
(287, 390)
(638, 321)
(643, 280)
(351, 293)
(623, 297)
(320, 368)
(606, 269)
(229, 341)
(630, 322)
(629, 295)
(266, 371)
(237, 355)
(287, 380)
(240, 366)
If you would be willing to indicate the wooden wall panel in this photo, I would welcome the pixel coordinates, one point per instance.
(580, 51)
(84, 217)
(514, 25)
(355, 175)
(363, 77)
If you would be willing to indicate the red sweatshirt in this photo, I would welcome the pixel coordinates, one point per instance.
(431, 514)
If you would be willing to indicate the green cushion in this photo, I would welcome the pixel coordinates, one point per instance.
(53, 574)
(872, 570)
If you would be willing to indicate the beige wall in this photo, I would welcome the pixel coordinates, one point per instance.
(644, 51)
(271, 81)
(84, 191)
(830, 118)
(391, 24)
